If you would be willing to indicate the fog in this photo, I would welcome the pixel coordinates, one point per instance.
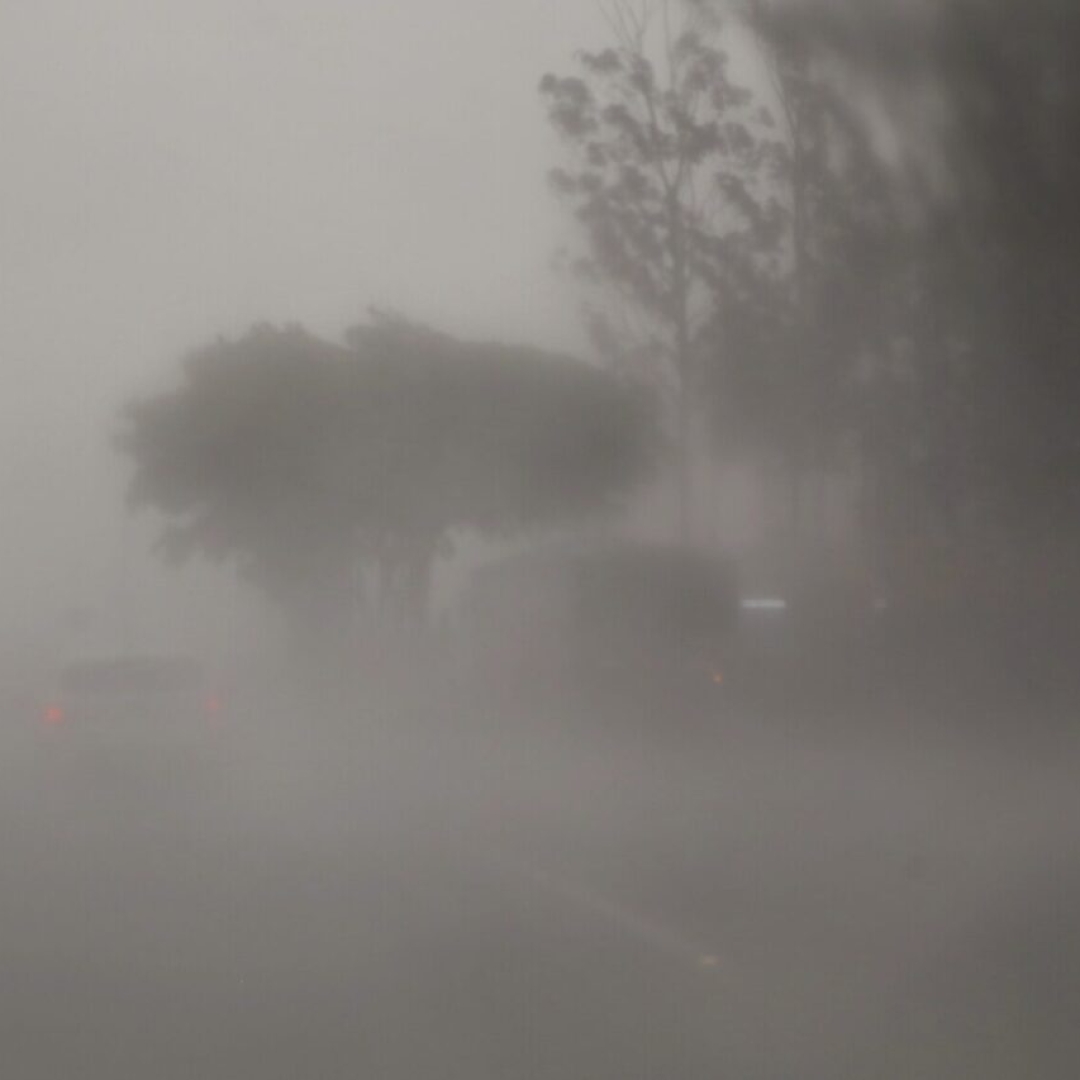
(540, 540)
(500, 899)
(174, 176)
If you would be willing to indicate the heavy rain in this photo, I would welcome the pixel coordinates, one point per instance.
(540, 540)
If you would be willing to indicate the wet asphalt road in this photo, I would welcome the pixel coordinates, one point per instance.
(403, 900)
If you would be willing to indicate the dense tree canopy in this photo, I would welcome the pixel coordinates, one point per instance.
(241, 459)
(669, 178)
(867, 255)
(738, 225)
(981, 102)
(784, 353)
(307, 462)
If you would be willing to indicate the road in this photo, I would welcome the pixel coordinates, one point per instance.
(424, 897)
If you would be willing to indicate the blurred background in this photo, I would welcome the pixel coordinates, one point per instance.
(540, 537)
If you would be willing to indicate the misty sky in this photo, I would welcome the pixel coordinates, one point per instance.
(178, 169)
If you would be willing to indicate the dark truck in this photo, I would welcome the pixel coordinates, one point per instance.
(621, 617)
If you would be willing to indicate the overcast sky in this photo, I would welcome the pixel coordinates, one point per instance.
(173, 169)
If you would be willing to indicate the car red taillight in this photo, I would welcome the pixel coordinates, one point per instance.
(213, 705)
(53, 715)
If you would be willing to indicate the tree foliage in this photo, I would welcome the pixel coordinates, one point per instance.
(739, 227)
(873, 252)
(670, 180)
(789, 351)
(981, 100)
(306, 461)
(241, 460)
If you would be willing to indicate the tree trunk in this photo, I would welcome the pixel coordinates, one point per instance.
(794, 496)
(685, 474)
(320, 626)
(404, 575)
(385, 572)
(416, 598)
(680, 295)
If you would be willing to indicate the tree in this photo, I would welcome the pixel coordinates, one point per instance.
(488, 437)
(306, 462)
(242, 460)
(981, 99)
(812, 322)
(664, 178)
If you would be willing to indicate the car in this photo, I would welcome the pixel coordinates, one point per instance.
(129, 734)
(131, 690)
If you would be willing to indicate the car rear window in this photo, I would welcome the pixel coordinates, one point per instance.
(155, 675)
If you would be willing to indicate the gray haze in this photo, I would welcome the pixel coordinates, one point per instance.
(498, 769)
(177, 171)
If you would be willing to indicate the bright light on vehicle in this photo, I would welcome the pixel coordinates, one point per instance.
(213, 705)
(763, 603)
(53, 715)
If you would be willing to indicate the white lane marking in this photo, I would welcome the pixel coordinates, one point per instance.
(641, 927)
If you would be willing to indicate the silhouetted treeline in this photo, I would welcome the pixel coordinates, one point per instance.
(856, 252)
